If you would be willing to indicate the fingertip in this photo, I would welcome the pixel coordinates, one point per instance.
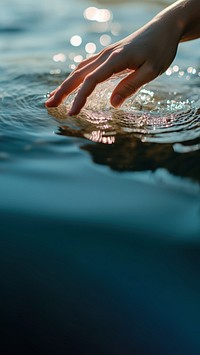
(73, 112)
(52, 92)
(53, 101)
(48, 103)
(116, 100)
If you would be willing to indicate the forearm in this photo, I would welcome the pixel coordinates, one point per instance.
(146, 53)
(184, 15)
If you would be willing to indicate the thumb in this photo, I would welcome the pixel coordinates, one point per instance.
(130, 85)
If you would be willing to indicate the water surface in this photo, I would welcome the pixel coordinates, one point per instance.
(100, 214)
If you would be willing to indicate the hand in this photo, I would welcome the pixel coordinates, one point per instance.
(145, 54)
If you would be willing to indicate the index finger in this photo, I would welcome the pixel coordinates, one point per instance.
(111, 66)
(75, 79)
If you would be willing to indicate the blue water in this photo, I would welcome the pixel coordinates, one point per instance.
(100, 214)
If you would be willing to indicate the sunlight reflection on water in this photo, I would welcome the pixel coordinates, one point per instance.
(153, 114)
(99, 214)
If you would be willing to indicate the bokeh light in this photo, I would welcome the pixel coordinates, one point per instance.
(76, 40)
(78, 58)
(103, 15)
(168, 71)
(59, 57)
(90, 48)
(115, 28)
(72, 66)
(94, 14)
(105, 40)
(90, 13)
(191, 70)
(175, 68)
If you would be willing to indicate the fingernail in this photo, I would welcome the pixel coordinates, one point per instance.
(48, 100)
(70, 113)
(46, 103)
(73, 110)
(117, 100)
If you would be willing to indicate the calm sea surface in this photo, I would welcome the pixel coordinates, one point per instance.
(99, 214)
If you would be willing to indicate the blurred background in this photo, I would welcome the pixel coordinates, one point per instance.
(99, 214)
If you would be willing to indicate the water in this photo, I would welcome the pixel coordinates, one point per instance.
(100, 214)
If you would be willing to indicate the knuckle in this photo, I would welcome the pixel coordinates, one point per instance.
(82, 64)
(110, 50)
(79, 66)
(78, 75)
(91, 80)
(105, 53)
(115, 53)
(116, 50)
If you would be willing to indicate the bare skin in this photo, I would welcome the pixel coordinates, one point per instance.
(144, 55)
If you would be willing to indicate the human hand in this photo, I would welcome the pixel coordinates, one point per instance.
(145, 54)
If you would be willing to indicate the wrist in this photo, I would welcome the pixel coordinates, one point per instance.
(184, 17)
(191, 20)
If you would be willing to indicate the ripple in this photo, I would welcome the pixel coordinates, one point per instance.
(8, 30)
(23, 107)
(154, 114)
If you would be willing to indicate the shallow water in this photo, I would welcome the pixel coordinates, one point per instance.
(100, 213)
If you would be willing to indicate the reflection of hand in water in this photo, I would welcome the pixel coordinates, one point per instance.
(146, 54)
(125, 152)
(152, 116)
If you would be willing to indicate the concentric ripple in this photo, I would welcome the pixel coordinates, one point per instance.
(157, 113)
(23, 118)
(154, 114)
(23, 107)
